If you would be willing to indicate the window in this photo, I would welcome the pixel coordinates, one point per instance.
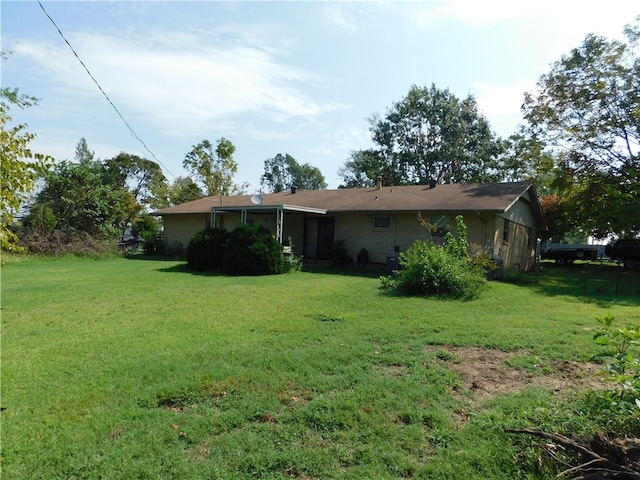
(439, 226)
(381, 223)
(505, 231)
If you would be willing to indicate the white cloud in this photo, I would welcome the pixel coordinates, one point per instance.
(495, 100)
(186, 84)
(575, 15)
(501, 104)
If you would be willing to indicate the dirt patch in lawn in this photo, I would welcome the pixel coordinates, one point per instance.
(489, 372)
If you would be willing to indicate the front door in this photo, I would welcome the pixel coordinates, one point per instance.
(318, 238)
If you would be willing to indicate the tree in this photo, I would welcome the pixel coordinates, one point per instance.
(283, 171)
(78, 200)
(525, 158)
(214, 168)
(138, 175)
(430, 134)
(588, 107)
(83, 154)
(362, 169)
(19, 166)
(182, 190)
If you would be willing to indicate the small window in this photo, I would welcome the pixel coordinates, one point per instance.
(439, 226)
(505, 231)
(382, 223)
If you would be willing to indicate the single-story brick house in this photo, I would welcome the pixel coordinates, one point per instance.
(503, 218)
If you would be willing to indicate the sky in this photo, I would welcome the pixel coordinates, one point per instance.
(296, 77)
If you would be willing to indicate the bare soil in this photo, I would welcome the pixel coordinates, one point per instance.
(486, 373)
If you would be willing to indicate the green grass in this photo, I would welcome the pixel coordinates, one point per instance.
(135, 368)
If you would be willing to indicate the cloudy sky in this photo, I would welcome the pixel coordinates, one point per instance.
(294, 77)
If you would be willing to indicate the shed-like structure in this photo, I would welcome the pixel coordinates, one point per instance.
(505, 219)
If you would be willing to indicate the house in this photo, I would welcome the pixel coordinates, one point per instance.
(505, 219)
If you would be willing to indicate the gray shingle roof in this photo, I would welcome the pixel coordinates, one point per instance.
(482, 197)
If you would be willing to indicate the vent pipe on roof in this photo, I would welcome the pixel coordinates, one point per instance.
(293, 189)
(379, 184)
(432, 183)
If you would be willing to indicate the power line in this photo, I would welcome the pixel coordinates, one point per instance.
(133, 132)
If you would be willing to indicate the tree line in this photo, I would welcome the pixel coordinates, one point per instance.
(580, 145)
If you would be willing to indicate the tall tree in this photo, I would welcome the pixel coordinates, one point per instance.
(214, 168)
(79, 200)
(588, 108)
(431, 134)
(283, 171)
(19, 166)
(138, 175)
(182, 190)
(83, 153)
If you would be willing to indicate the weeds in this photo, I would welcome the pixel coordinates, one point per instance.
(621, 351)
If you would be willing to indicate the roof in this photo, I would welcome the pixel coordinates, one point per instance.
(479, 197)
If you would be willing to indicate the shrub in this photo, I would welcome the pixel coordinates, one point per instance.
(447, 270)
(341, 257)
(253, 250)
(430, 270)
(620, 350)
(60, 243)
(205, 249)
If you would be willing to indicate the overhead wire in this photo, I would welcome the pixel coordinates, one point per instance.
(131, 130)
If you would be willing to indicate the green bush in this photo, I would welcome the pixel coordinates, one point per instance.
(447, 270)
(206, 249)
(253, 250)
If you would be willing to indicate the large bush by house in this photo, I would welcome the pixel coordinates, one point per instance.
(447, 270)
(206, 248)
(253, 250)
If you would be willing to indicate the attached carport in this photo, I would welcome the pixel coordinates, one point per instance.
(277, 210)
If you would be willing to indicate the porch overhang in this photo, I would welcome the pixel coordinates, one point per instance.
(278, 210)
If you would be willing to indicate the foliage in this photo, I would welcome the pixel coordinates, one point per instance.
(457, 245)
(447, 270)
(283, 171)
(59, 243)
(430, 134)
(148, 228)
(588, 108)
(182, 190)
(214, 168)
(79, 200)
(142, 177)
(206, 249)
(19, 166)
(251, 250)
(292, 262)
(621, 350)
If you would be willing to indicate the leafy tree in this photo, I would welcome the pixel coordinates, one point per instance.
(213, 167)
(182, 190)
(19, 166)
(283, 171)
(430, 134)
(138, 175)
(76, 196)
(588, 107)
(83, 154)
(525, 158)
(362, 170)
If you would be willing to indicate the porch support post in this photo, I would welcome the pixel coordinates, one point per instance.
(279, 223)
(244, 216)
(213, 219)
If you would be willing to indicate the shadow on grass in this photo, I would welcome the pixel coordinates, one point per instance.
(603, 284)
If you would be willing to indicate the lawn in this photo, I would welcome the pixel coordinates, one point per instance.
(134, 368)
